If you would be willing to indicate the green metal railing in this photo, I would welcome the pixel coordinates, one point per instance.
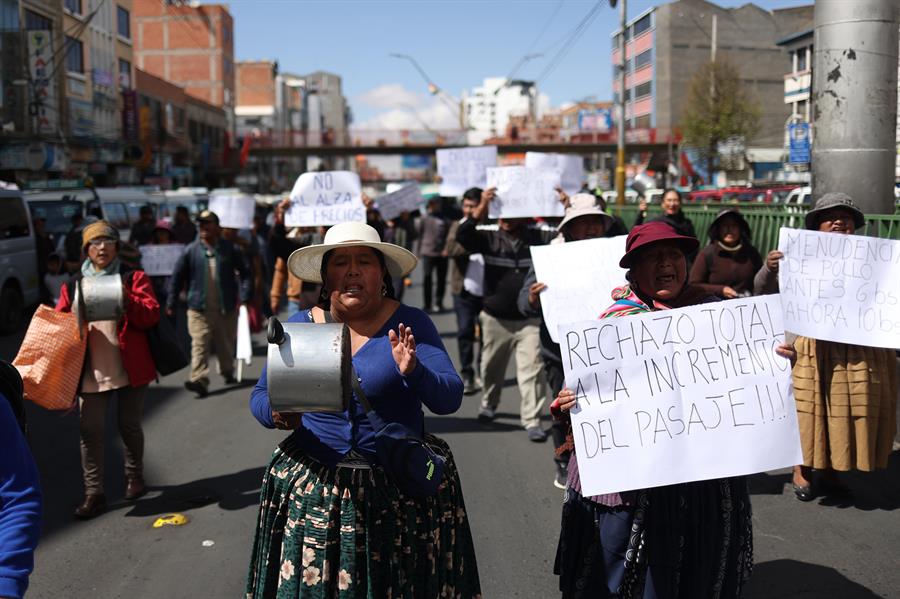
(764, 220)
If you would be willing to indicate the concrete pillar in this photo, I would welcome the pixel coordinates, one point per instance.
(855, 101)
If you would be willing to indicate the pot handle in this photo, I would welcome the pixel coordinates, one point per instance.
(275, 331)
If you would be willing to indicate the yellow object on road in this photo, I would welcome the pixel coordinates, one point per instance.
(170, 520)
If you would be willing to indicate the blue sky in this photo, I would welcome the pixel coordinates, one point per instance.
(457, 42)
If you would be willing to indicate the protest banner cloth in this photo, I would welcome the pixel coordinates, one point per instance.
(570, 167)
(235, 210)
(462, 168)
(682, 395)
(159, 260)
(325, 198)
(843, 288)
(524, 192)
(405, 199)
(579, 276)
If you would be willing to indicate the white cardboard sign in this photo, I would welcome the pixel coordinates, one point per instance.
(159, 260)
(523, 192)
(570, 167)
(681, 395)
(235, 211)
(842, 288)
(325, 198)
(579, 276)
(462, 168)
(405, 199)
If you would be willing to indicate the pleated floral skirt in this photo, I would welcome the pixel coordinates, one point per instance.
(347, 532)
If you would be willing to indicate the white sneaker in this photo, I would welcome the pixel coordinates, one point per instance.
(487, 414)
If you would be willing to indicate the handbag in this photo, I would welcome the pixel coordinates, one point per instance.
(407, 460)
(165, 348)
(50, 359)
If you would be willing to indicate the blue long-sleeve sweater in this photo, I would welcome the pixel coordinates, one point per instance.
(327, 437)
(20, 506)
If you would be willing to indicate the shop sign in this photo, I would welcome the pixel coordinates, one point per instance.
(81, 121)
(43, 105)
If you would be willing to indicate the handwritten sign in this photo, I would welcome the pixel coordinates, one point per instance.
(159, 260)
(524, 192)
(842, 288)
(676, 396)
(570, 167)
(325, 198)
(405, 199)
(462, 168)
(235, 210)
(579, 276)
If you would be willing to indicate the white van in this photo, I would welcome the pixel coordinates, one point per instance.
(19, 285)
(119, 206)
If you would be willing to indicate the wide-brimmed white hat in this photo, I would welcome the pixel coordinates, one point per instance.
(583, 204)
(306, 263)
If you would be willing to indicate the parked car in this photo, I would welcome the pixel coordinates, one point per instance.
(610, 197)
(19, 284)
(120, 206)
(801, 196)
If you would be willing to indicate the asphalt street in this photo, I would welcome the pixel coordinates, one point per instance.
(205, 460)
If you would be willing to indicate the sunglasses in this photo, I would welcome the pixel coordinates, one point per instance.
(100, 242)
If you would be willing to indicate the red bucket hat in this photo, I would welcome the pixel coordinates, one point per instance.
(654, 232)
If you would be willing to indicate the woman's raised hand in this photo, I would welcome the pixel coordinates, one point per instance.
(772, 260)
(566, 399)
(403, 348)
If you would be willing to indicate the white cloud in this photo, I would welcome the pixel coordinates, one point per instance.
(404, 109)
(390, 95)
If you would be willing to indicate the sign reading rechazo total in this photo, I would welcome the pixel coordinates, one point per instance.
(405, 199)
(579, 276)
(680, 395)
(839, 287)
(462, 168)
(524, 192)
(325, 198)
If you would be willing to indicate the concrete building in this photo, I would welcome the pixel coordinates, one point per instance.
(255, 106)
(487, 109)
(666, 44)
(189, 44)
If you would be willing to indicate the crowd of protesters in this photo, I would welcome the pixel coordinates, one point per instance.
(685, 540)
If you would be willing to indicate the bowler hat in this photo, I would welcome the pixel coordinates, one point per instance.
(654, 232)
(834, 200)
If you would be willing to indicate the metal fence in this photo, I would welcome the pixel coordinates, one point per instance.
(764, 220)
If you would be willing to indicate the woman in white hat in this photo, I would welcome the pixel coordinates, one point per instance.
(331, 521)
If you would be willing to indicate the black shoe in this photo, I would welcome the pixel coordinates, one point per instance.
(562, 475)
(536, 434)
(91, 507)
(230, 380)
(804, 493)
(197, 387)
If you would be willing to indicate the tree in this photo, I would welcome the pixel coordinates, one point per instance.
(718, 108)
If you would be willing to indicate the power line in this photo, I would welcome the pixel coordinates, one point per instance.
(529, 54)
(579, 30)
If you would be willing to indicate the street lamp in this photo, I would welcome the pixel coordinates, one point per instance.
(433, 88)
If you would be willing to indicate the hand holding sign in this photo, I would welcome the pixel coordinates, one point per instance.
(326, 198)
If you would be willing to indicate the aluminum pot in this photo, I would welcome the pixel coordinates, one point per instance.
(308, 367)
(101, 298)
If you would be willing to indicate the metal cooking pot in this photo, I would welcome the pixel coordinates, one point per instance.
(308, 367)
(100, 298)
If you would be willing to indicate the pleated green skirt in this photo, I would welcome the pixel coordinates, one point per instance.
(348, 532)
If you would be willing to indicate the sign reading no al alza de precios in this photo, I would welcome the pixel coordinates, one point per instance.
(325, 198)
(680, 395)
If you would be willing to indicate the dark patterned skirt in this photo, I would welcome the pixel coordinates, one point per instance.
(348, 532)
(677, 542)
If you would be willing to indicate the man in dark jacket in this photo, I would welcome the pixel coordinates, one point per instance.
(466, 302)
(142, 230)
(504, 330)
(430, 248)
(218, 281)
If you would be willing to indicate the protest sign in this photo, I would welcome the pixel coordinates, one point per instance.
(839, 287)
(570, 167)
(235, 210)
(325, 198)
(159, 260)
(405, 199)
(579, 276)
(680, 395)
(462, 168)
(524, 192)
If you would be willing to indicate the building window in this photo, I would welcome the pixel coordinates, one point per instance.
(642, 25)
(643, 59)
(642, 122)
(73, 6)
(124, 19)
(36, 22)
(642, 90)
(124, 74)
(801, 59)
(74, 55)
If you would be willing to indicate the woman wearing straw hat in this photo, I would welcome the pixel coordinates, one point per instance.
(331, 521)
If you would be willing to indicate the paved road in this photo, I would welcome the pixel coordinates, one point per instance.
(205, 459)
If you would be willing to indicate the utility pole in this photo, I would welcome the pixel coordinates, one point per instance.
(620, 126)
(855, 101)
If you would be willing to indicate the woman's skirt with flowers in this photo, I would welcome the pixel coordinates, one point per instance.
(348, 532)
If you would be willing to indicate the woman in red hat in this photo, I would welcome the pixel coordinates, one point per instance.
(686, 540)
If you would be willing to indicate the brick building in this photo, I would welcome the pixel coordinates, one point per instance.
(190, 45)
